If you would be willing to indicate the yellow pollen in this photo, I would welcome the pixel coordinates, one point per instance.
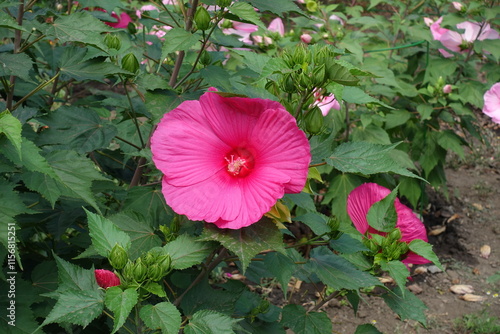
(234, 166)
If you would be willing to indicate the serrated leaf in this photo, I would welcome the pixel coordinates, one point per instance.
(74, 278)
(203, 297)
(382, 215)
(407, 306)
(340, 74)
(30, 157)
(366, 158)
(178, 40)
(150, 201)
(43, 184)
(210, 322)
(347, 245)
(11, 205)
(79, 27)
(282, 268)
(108, 5)
(155, 288)
(185, 251)
(340, 187)
(398, 271)
(78, 307)
(358, 96)
(367, 329)
(277, 7)
(11, 127)
(92, 70)
(248, 241)
(337, 272)
(318, 222)
(451, 141)
(121, 303)
(246, 12)
(17, 64)
(140, 231)
(164, 316)
(75, 174)
(303, 322)
(8, 21)
(424, 249)
(105, 235)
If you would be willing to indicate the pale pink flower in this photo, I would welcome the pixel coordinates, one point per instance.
(428, 21)
(226, 160)
(106, 279)
(457, 5)
(306, 38)
(276, 25)
(491, 106)
(361, 199)
(244, 30)
(326, 102)
(447, 89)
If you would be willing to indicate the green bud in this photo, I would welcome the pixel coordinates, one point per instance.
(314, 121)
(128, 271)
(223, 3)
(132, 29)
(140, 270)
(304, 80)
(403, 248)
(272, 87)
(205, 58)
(395, 235)
(394, 253)
(301, 55)
(288, 84)
(311, 6)
(118, 257)
(148, 259)
(202, 18)
(319, 75)
(155, 273)
(113, 41)
(333, 224)
(371, 244)
(130, 63)
(164, 262)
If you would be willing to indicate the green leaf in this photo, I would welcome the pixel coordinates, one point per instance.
(150, 201)
(140, 231)
(30, 157)
(210, 322)
(78, 307)
(281, 266)
(155, 288)
(382, 215)
(17, 64)
(160, 102)
(8, 21)
(424, 249)
(337, 272)
(75, 175)
(105, 235)
(303, 322)
(407, 306)
(121, 303)
(449, 140)
(367, 328)
(11, 127)
(43, 184)
(340, 74)
(316, 221)
(79, 27)
(366, 158)
(340, 188)
(425, 111)
(185, 251)
(248, 241)
(178, 40)
(205, 297)
(246, 12)
(11, 205)
(358, 96)
(74, 278)
(277, 7)
(302, 200)
(398, 271)
(164, 316)
(347, 245)
(92, 70)
(108, 5)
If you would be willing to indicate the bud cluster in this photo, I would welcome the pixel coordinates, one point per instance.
(387, 248)
(152, 266)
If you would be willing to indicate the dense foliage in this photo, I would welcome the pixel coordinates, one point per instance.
(381, 95)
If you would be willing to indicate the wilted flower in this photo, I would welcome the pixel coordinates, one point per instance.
(226, 160)
(106, 279)
(359, 203)
(491, 106)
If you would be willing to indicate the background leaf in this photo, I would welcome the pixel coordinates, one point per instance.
(164, 316)
(121, 303)
(105, 235)
(303, 322)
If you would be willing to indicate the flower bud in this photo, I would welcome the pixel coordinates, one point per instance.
(304, 80)
(319, 75)
(113, 41)
(130, 63)
(371, 244)
(106, 279)
(164, 262)
(447, 89)
(287, 84)
(148, 259)
(118, 257)
(140, 270)
(403, 248)
(128, 271)
(306, 38)
(154, 272)
(202, 18)
(311, 6)
(395, 235)
(205, 58)
(300, 55)
(132, 29)
(223, 3)
(314, 121)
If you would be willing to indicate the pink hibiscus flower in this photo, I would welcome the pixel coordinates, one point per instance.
(106, 279)
(359, 203)
(226, 160)
(492, 103)
(122, 21)
(326, 102)
(277, 25)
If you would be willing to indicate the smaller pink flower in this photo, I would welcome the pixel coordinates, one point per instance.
(361, 199)
(106, 279)
(244, 30)
(447, 89)
(326, 103)
(122, 21)
(491, 106)
(276, 25)
(457, 5)
(306, 38)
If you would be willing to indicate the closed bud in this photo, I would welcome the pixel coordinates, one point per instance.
(311, 6)
(128, 271)
(154, 272)
(314, 121)
(202, 18)
(272, 87)
(288, 84)
(106, 279)
(371, 244)
(113, 41)
(148, 259)
(403, 248)
(394, 252)
(205, 58)
(304, 80)
(140, 270)
(223, 3)
(300, 55)
(164, 262)
(130, 63)
(319, 75)
(395, 235)
(118, 257)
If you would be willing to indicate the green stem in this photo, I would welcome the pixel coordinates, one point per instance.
(397, 47)
(38, 88)
(133, 116)
(17, 45)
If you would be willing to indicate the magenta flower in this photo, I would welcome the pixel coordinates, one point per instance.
(226, 160)
(106, 279)
(359, 203)
(491, 106)
(122, 21)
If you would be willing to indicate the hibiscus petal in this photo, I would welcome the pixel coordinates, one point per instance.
(451, 40)
(185, 148)
(360, 201)
(414, 259)
(280, 144)
(491, 106)
(411, 227)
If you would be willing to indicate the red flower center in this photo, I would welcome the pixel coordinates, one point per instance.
(239, 161)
